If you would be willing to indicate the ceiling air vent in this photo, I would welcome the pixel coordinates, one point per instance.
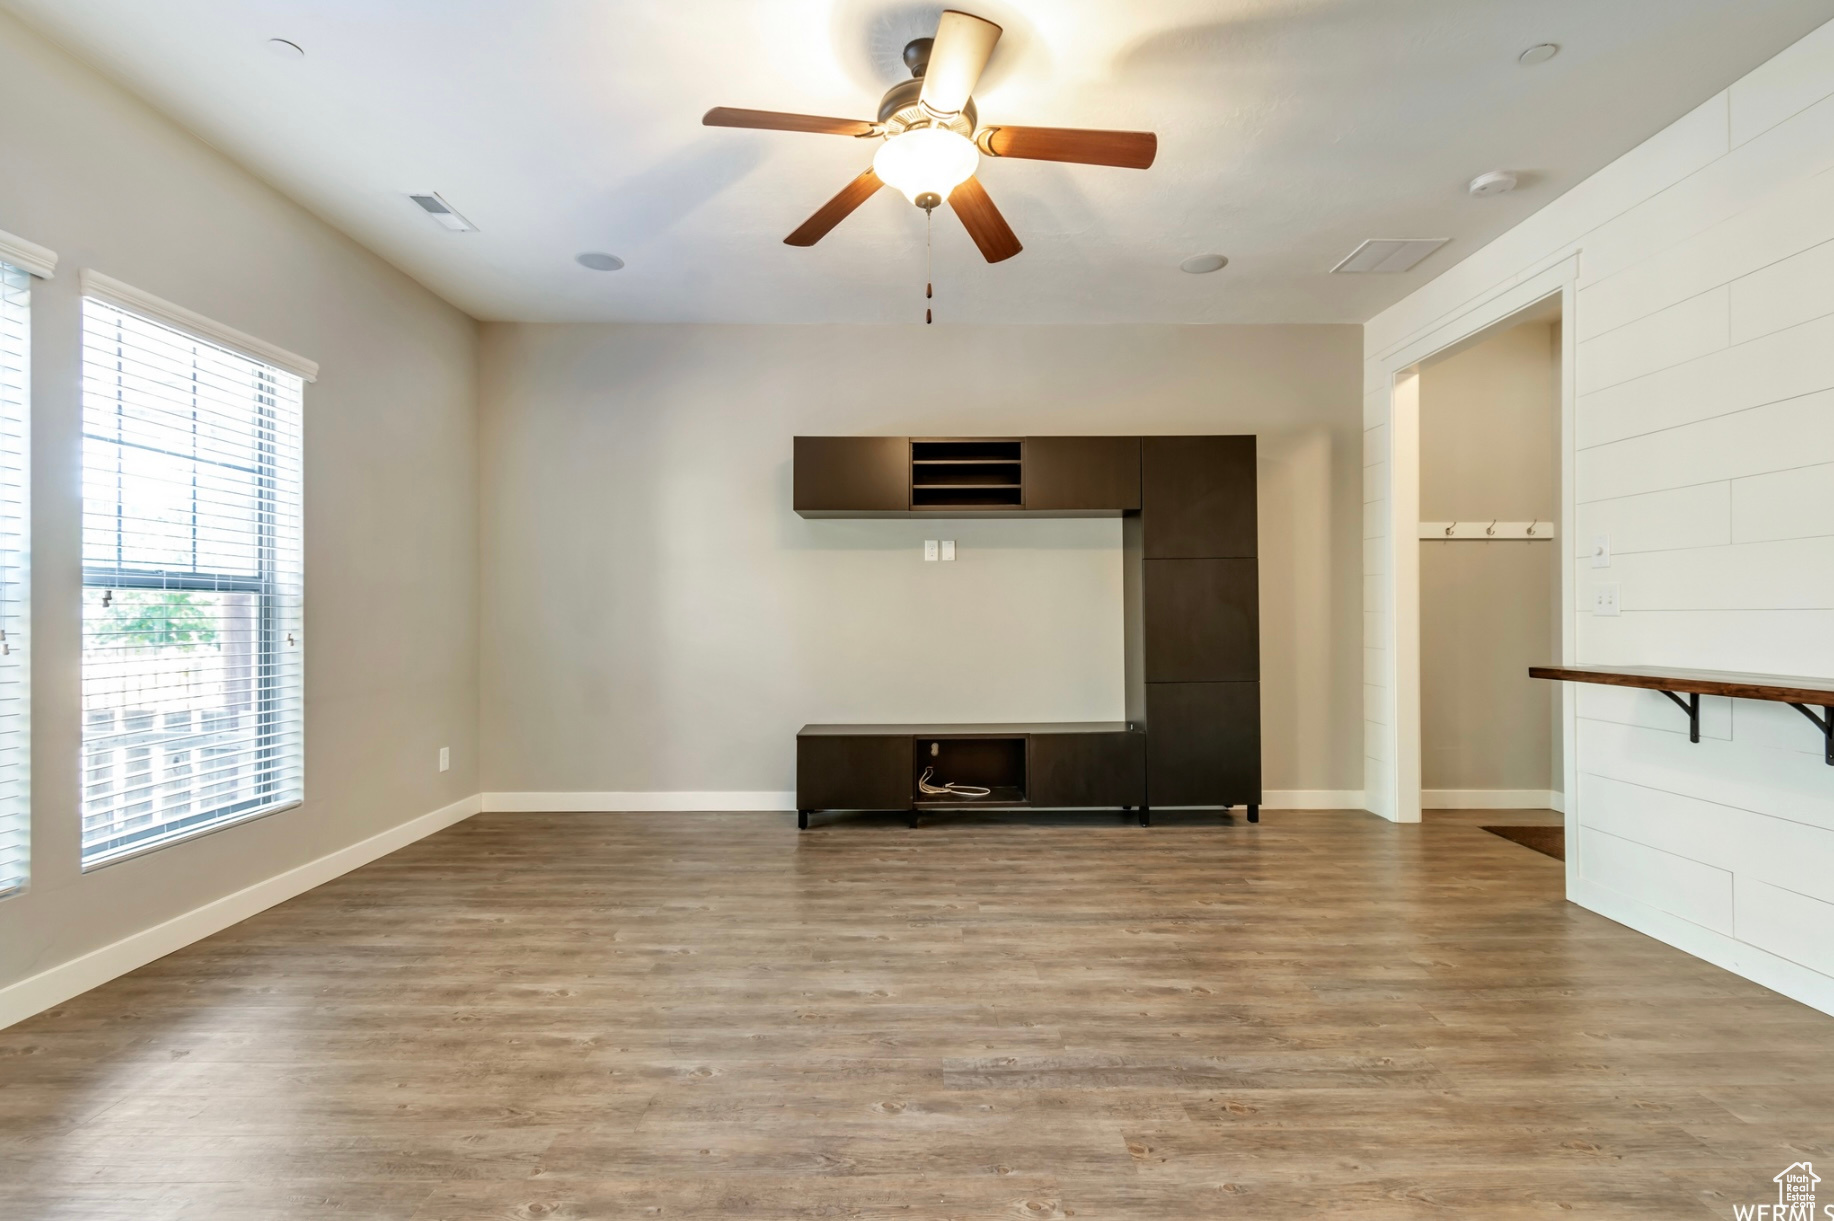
(1389, 254)
(435, 206)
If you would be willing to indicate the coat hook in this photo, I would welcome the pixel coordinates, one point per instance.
(1491, 528)
(1450, 526)
(1532, 525)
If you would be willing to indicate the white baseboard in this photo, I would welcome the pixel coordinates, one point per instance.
(743, 801)
(1793, 980)
(1313, 799)
(1492, 799)
(58, 984)
(621, 803)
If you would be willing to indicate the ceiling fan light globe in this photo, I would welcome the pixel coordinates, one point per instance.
(926, 161)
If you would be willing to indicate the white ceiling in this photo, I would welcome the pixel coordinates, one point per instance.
(1289, 131)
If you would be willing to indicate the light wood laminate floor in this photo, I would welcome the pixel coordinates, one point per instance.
(699, 1016)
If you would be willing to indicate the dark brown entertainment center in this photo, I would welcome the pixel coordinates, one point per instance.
(1190, 584)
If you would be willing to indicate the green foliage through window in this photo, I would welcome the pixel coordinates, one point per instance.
(159, 618)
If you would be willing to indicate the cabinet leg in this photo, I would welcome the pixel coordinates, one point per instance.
(1146, 817)
(802, 820)
(1254, 813)
(913, 820)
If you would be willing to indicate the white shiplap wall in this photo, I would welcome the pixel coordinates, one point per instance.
(1704, 439)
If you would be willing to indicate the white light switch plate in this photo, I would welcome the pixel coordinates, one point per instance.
(948, 549)
(1601, 551)
(929, 549)
(445, 758)
(1604, 598)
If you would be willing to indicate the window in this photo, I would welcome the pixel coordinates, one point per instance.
(192, 601)
(15, 608)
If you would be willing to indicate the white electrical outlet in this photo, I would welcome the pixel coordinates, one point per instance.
(1604, 598)
(1601, 551)
(929, 549)
(445, 758)
(948, 549)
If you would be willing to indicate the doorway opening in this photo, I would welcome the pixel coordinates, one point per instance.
(1489, 573)
(1392, 517)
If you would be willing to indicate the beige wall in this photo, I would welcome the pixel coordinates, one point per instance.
(1489, 438)
(391, 506)
(656, 619)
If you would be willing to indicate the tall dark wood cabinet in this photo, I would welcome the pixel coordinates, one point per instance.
(1191, 592)
(1200, 622)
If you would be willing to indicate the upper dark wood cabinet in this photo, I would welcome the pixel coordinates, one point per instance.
(1082, 473)
(846, 475)
(1199, 497)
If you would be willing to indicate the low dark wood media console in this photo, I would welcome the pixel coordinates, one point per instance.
(1192, 647)
(1051, 766)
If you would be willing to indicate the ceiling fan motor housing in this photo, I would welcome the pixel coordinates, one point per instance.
(917, 55)
(900, 110)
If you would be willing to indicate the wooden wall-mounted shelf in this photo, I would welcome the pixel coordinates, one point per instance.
(1798, 693)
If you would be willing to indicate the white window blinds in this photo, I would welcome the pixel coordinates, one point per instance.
(192, 599)
(15, 598)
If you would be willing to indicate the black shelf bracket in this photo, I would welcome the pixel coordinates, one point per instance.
(1691, 706)
(1825, 723)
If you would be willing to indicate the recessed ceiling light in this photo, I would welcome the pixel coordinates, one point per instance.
(434, 204)
(1385, 255)
(1540, 53)
(1202, 264)
(1496, 182)
(281, 48)
(598, 260)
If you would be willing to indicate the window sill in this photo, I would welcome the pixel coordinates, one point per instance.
(118, 855)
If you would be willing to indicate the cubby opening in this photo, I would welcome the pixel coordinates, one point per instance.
(973, 474)
(965, 498)
(993, 763)
(980, 449)
(965, 474)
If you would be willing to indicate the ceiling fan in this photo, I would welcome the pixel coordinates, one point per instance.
(933, 141)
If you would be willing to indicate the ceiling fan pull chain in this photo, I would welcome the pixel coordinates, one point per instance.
(929, 282)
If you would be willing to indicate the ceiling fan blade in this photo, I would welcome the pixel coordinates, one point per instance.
(1133, 150)
(776, 120)
(835, 210)
(984, 222)
(963, 44)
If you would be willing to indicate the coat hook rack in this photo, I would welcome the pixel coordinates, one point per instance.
(1486, 531)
